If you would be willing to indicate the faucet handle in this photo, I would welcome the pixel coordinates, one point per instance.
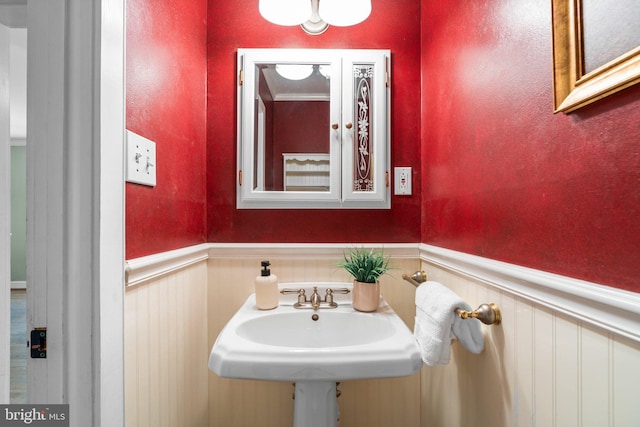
(302, 298)
(329, 293)
(287, 291)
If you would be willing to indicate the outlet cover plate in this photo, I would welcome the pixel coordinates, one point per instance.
(141, 160)
(402, 181)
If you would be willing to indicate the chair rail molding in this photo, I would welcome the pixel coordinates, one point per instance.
(615, 310)
(143, 269)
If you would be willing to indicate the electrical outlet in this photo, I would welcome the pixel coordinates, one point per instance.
(402, 180)
(141, 160)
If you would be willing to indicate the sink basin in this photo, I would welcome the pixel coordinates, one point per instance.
(286, 344)
(298, 329)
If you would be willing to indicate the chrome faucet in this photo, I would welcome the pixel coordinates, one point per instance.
(315, 301)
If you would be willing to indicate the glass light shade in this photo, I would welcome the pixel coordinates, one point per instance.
(294, 71)
(285, 12)
(343, 13)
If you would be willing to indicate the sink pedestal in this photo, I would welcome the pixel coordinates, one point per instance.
(316, 404)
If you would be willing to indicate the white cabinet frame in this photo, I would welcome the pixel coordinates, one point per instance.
(338, 64)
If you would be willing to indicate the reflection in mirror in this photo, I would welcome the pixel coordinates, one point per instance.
(292, 134)
(609, 30)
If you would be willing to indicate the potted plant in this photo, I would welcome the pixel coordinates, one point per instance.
(365, 266)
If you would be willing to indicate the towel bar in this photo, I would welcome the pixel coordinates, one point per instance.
(489, 314)
(416, 278)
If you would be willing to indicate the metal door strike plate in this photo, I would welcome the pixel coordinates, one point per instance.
(39, 343)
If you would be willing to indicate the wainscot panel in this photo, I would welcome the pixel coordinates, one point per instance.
(564, 355)
(242, 403)
(166, 349)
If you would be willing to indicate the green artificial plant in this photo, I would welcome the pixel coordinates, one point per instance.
(365, 265)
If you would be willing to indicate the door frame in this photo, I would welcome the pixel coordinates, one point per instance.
(5, 219)
(75, 205)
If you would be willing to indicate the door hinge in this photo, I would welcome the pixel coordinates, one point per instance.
(241, 77)
(386, 72)
(39, 343)
(386, 177)
(240, 177)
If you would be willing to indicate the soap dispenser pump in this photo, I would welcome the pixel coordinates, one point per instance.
(266, 288)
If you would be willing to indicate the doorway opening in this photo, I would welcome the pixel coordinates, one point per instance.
(14, 63)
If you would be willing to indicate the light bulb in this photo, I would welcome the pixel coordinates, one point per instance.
(285, 12)
(344, 13)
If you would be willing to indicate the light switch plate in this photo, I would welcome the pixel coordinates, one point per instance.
(402, 180)
(141, 160)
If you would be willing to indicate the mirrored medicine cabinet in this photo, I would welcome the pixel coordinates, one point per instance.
(313, 128)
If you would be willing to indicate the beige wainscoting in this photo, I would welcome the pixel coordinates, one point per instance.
(566, 354)
(242, 403)
(540, 367)
(166, 350)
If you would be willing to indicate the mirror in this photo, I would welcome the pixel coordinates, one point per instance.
(313, 128)
(595, 50)
(292, 138)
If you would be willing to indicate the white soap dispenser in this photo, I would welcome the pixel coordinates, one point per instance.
(266, 288)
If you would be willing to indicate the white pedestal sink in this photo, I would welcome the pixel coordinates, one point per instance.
(289, 344)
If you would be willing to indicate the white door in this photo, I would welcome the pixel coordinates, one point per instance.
(75, 190)
(75, 208)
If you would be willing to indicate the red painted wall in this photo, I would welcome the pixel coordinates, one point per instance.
(166, 102)
(392, 25)
(309, 136)
(505, 178)
(502, 176)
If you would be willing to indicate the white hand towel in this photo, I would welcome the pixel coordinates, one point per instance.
(437, 324)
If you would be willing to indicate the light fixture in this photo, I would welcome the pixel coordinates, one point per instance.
(315, 16)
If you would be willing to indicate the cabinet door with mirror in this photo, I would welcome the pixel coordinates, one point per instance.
(313, 128)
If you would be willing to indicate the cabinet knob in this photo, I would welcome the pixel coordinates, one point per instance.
(349, 125)
(335, 126)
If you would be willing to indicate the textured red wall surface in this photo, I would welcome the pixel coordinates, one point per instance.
(309, 136)
(166, 102)
(392, 25)
(502, 176)
(505, 178)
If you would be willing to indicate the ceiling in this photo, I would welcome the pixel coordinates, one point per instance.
(13, 13)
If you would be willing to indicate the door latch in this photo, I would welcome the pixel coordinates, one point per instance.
(39, 343)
